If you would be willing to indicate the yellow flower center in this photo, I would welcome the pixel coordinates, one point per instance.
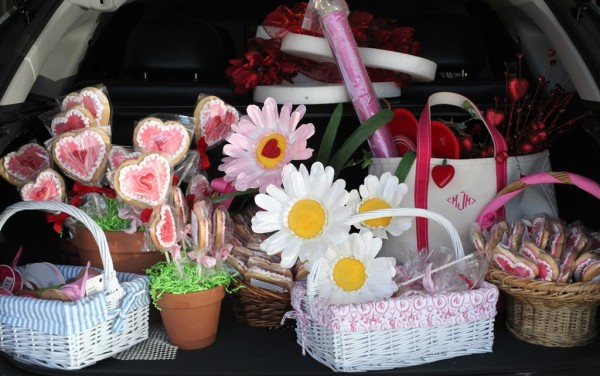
(307, 218)
(374, 204)
(271, 150)
(349, 274)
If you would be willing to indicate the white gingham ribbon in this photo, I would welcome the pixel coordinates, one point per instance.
(124, 310)
(302, 317)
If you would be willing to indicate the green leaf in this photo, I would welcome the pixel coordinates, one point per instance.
(358, 137)
(329, 136)
(224, 197)
(405, 164)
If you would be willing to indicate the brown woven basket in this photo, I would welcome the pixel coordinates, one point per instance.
(258, 307)
(551, 314)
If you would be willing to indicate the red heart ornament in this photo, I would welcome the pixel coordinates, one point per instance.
(144, 182)
(442, 174)
(214, 119)
(22, 165)
(517, 87)
(151, 135)
(47, 186)
(82, 154)
(493, 117)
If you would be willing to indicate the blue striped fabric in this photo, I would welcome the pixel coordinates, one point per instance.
(60, 318)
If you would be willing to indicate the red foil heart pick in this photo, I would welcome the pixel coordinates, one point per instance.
(442, 174)
(517, 87)
(493, 117)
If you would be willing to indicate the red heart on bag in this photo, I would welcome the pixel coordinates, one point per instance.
(493, 117)
(517, 87)
(442, 174)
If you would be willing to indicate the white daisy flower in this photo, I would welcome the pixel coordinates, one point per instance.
(306, 215)
(350, 273)
(380, 193)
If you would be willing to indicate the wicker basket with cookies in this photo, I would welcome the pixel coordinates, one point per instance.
(549, 271)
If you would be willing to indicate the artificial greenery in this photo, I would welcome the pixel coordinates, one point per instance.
(167, 277)
(111, 220)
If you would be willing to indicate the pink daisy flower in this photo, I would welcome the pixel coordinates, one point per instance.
(262, 143)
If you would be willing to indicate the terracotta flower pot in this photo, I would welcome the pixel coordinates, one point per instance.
(126, 250)
(191, 320)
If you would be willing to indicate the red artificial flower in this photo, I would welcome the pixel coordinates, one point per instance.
(261, 65)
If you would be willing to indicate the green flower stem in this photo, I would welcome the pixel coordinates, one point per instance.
(227, 196)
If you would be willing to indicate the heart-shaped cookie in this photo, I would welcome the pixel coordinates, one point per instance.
(180, 207)
(82, 154)
(120, 154)
(22, 165)
(162, 228)
(144, 183)
(72, 119)
(171, 138)
(94, 100)
(213, 119)
(47, 186)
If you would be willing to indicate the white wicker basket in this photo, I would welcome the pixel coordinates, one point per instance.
(73, 335)
(397, 332)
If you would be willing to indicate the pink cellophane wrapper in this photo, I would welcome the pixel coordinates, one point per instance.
(415, 311)
(358, 85)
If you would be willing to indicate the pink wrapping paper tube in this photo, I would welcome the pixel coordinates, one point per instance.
(360, 90)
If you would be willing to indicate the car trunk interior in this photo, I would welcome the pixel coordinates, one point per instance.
(157, 57)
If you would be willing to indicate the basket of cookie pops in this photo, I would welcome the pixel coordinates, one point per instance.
(265, 298)
(548, 270)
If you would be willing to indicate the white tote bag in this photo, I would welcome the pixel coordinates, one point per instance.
(474, 184)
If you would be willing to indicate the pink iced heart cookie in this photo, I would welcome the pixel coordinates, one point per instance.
(74, 118)
(144, 183)
(47, 186)
(119, 154)
(82, 154)
(213, 119)
(94, 100)
(22, 165)
(151, 135)
(70, 100)
(162, 228)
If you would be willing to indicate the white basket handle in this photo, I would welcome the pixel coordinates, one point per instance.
(311, 285)
(114, 291)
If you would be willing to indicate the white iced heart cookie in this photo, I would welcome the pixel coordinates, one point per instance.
(82, 154)
(144, 183)
(162, 228)
(119, 154)
(47, 186)
(94, 100)
(152, 135)
(72, 119)
(214, 119)
(22, 165)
